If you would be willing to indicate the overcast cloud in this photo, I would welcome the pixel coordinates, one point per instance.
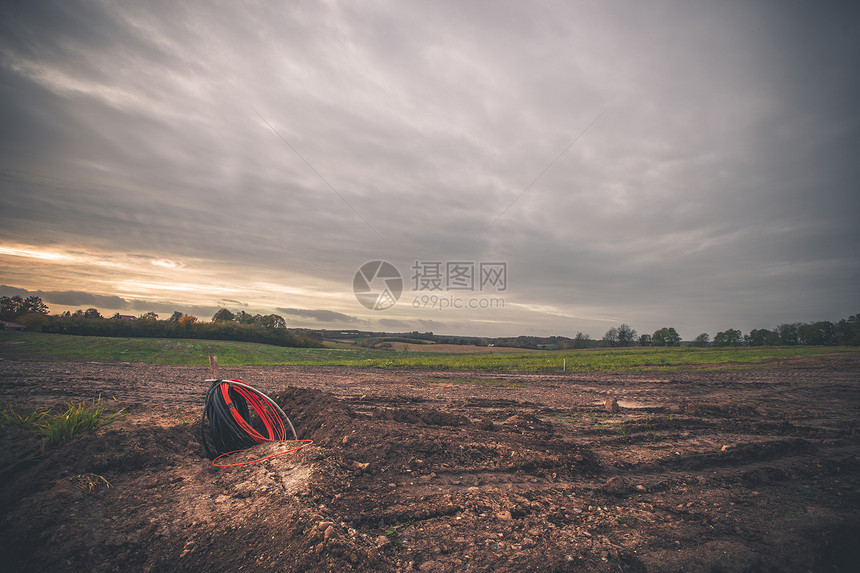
(186, 155)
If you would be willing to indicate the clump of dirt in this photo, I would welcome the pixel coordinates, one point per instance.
(727, 410)
(428, 417)
(401, 477)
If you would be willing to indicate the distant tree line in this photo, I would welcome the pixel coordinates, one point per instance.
(244, 327)
(846, 332)
(272, 329)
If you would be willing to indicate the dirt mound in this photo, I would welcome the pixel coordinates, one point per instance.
(316, 415)
(520, 423)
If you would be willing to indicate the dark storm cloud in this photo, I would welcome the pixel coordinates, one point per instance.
(319, 315)
(229, 302)
(6, 290)
(718, 185)
(70, 297)
(109, 302)
(78, 298)
(396, 325)
(167, 308)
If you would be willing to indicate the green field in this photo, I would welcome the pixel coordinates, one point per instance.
(32, 346)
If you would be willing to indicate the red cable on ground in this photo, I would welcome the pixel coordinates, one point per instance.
(304, 444)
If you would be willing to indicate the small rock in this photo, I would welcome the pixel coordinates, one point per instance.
(328, 533)
(504, 515)
(616, 486)
(641, 487)
(383, 542)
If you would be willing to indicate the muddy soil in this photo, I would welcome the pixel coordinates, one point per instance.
(753, 470)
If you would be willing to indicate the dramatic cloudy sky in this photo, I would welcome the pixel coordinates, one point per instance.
(686, 164)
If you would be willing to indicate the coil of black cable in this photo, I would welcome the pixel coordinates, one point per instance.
(227, 413)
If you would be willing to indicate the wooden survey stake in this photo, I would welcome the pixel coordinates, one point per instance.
(213, 366)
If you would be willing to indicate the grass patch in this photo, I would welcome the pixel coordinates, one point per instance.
(77, 419)
(59, 427)
(36, 346)
(391, 533)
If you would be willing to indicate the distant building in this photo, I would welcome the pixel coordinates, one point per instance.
(14, 326)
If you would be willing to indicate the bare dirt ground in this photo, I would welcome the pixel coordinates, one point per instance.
(753, 470)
